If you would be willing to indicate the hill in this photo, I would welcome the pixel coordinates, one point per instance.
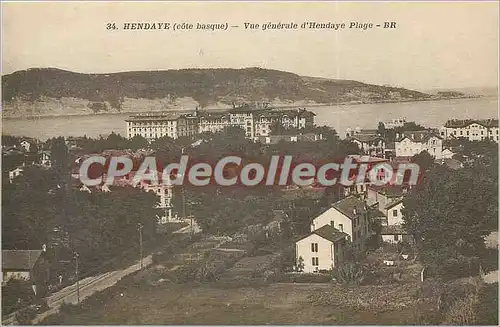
(50, 91)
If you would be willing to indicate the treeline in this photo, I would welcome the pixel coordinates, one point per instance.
(221, 210)
(203, 85)
(451, 211)
(40, 208)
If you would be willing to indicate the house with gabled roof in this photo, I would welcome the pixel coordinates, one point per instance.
(471, 129)
(370, 144)
(349, 215)
(388, 202)
(410, 143)
(322, 249)
(393, 234)
(23, 264)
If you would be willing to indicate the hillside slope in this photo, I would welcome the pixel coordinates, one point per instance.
(49, 91)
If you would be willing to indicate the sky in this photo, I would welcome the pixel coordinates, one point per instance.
(434, 45)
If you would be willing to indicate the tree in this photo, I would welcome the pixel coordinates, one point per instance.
(424, 160)
(116, 141)
(164, 143)
(300, 264)
(448, 215)
(381, 129)
(99, 225)
(59, 154)
(138, 142)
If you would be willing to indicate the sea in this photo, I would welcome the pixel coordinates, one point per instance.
(340, 117)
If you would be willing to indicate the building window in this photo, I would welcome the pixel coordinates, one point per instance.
(394, 213)
(396, 238)
(341, 227)
(314, 247)
(315, 261)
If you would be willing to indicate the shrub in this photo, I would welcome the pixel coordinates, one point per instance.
(462, 311)
(349, 273)
(210, 271)
(302, 278)
(487, 307)
(186, 274)
(26, 315)
(15, 295)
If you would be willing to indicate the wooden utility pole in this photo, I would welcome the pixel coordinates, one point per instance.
(139, 228)
(77, 279)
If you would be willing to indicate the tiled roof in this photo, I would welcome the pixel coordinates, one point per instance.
(366, 137)
(289, 113)
(392, 204)
(346, 206)
(19, 259)
(393, 230)
(417, 136)
(213, 115)
(389, 190)
(460, 123)
(375, 213)
(156, 116)
(329, 233)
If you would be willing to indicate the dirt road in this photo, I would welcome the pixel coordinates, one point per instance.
(88, 286)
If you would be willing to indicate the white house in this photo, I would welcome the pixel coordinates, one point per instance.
(322, 249)
(383, 196)
(411, 143)
(368, 142)
(389, 202)
(394, 213)
(393, 234)
(25, 145)
(13, 173)
(473, 130)
(350, 216)
(45, 158)
(391, 124)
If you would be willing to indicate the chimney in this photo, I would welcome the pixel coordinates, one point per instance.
(355, 211)
(397, 135)
(412, 135)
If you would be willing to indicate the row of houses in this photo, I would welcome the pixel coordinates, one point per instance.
(255, 120)
(342, 230)
(15, 158)
(410, 143)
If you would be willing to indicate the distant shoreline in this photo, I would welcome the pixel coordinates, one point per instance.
(284, 106)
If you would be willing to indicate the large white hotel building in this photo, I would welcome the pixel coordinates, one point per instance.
(254, 120)
(473, 130)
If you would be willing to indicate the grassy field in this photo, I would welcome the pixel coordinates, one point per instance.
(215, 304)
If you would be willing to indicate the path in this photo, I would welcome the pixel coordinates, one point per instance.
(88, 286)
